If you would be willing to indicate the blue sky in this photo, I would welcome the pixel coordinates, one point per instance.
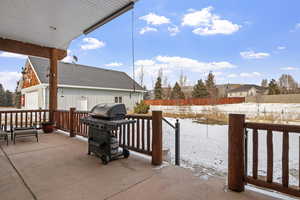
(240, 41)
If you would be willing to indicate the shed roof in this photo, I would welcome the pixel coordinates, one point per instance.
(81, 75)
(53, 23)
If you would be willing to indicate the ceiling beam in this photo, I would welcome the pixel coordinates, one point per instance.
(15, 46)
(109, 18)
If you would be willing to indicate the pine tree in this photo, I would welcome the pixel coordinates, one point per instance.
(8, 98)
(2, 96)
(273, 88)
(210, 81)
(176, 92)
(158, 89)
(18, 96)
(210, 85)
(199, 90)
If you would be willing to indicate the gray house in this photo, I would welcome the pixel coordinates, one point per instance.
(247, 91)
(78, 86)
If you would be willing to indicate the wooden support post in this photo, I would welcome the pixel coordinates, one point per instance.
(156, 137)
(71, 121)
(53, 84)
(236, 151)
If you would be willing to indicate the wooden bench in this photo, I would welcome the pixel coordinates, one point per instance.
(25, 132)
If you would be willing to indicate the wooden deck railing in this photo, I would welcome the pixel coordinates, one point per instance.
(10, 119)
(238, 149)
(137, 137)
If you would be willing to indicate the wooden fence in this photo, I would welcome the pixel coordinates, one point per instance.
(10, 119)
(192, 101)
(238, 148)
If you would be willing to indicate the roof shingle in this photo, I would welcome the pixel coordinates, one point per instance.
(81, 75)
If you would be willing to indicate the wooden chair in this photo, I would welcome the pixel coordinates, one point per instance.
(3, 134)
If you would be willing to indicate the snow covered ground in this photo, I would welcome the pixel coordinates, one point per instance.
(250, 109)
(204, 149)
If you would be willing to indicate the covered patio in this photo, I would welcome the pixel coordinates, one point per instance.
(58, 167)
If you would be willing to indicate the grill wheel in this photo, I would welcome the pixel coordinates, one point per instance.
(126, 153)
(105, 159)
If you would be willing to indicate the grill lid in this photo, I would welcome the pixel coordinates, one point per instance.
(109, 111)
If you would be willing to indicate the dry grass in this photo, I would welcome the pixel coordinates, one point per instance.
(205, 118)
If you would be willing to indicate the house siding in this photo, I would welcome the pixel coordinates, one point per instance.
(73, 97)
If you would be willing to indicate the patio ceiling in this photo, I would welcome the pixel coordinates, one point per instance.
(53, 23)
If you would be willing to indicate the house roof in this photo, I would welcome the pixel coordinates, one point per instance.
(247, 87)
(81, 75)
(52, 23)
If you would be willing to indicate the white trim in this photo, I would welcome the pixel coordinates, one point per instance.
(43, 85)
(34, 71)
(99, 88)
(92, 88)
(35, 87)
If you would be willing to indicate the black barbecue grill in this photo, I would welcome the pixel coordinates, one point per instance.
(104, 121)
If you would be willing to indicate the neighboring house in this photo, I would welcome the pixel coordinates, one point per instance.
(246, 91)
(223, 89)
(78, 86)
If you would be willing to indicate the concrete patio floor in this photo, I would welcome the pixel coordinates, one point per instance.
(58, 168)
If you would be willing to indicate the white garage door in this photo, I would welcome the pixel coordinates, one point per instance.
(32, 100)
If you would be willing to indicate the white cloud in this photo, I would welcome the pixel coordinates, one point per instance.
(192, 64)
(155, 19)
(173, 30)
(249, 75)
(12, 55)
(289, 68)
(92, 43)
(9, 80)
(232, 76)
(69, 58)
(176, 63)
(147, 29)
(173, 66)
(114, 64)
(281, 48)
(245, 75)
(297, 26)
(253, 55)
(207, 23)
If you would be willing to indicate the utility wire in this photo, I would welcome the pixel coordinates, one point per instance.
(132, 48)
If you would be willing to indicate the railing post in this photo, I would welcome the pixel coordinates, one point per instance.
(71, 122)
(236, 152)
(156, 137)
(177, 142)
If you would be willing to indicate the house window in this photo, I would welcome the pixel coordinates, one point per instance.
(118, 99)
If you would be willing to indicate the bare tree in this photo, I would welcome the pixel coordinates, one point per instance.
(182, 79)
(160, 73)
(264, 83)
(141, 76)
(165, 81)
(287, 84)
